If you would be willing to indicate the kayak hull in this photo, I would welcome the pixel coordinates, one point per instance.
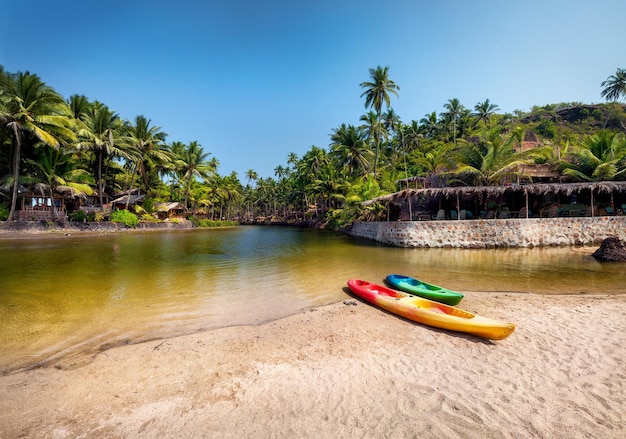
(423, 289)
(429, 312)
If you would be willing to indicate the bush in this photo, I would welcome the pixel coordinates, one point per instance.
(4, 212)
(78, 215)
(210, 223)
(125, 217)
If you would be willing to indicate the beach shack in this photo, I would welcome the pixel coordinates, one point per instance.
(136, 197)
(35, 206)
(170, 210)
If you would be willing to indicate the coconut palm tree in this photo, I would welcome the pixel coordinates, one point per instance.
(101, 135)
(455, 110)
(601, 156)
(349, 149)
(376, 95)
(31, 112)
(55, 171)
(429, 124)
(483, 111)
(149, 150)
(492, 160)
(614, 86)
(194, 164)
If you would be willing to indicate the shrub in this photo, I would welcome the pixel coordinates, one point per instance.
(4, 212)
(210, 223)
(149, 218)
(78, 215)
(125, 217)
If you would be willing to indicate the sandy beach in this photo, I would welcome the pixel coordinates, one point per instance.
(346, 371)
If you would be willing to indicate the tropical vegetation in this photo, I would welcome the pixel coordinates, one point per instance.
(76, 147)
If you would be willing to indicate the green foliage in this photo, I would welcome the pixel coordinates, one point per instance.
(4, 212)
(98, 216)
(149, 218)
(212, 223)
(546, 128)
(78, 215)
(125, 217)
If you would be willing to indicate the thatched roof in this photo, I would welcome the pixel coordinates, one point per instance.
(533, 188)
(166, 207)
(134, 199)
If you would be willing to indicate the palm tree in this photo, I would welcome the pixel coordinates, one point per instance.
(615, 86)
(376, 95)
(195, 164)
(492, 160)
(101, 135)
(31, 112)
(601, 156)
(484, 111)
(349, 149)
(148, 144)
(251, 175)
(455, 109)
(55, 172)
(429, 124)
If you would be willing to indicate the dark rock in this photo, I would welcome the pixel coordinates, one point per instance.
(611, 250)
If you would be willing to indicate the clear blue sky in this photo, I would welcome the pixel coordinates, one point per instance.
(253, 81)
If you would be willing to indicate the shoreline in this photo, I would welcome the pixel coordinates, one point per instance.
(346, 371)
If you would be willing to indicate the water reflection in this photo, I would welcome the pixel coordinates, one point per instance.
(60, 296)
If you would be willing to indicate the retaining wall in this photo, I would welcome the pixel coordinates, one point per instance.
(523, 232)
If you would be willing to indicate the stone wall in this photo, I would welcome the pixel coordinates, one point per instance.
(524, 232)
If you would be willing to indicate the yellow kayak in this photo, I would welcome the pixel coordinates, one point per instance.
(430, 313)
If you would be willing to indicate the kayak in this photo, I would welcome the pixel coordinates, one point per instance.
(423, 289)
(429, 312)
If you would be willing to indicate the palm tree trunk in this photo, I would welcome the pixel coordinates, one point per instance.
(16, 170)
(130, 189)
(100, 182)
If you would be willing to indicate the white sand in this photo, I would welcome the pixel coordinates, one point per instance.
(346, 371)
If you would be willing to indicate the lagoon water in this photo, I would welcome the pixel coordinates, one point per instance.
(67, 296)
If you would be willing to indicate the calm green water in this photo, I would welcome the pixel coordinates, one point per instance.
(64, 296)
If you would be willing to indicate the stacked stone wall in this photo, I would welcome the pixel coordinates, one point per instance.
(526, 232)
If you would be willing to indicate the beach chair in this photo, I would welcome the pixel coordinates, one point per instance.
(503, 214)
(453, 214)
(441, 215)
(469, 215)
(553, 212)
(463, 214)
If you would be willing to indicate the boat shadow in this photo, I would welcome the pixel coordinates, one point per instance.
(468, 337)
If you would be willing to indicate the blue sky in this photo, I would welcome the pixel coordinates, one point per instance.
(253, 81)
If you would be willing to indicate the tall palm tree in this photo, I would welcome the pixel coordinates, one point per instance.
(484, 110)
(615, 86)
(429, 124)
(195, 164)
(100, 135)
(32, 112)
(376, 95)
(251, 175)
(455, 109)
(349, 149)
(148, 144)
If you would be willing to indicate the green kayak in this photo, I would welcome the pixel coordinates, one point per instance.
(423, 289)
